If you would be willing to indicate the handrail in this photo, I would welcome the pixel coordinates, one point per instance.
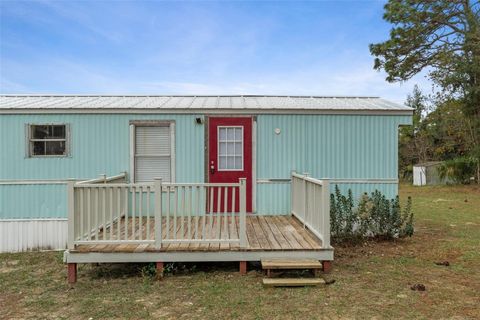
(101, 179)
(164, 185)
(311, 205)
(104, 179)
(307, 178)
(123, 175)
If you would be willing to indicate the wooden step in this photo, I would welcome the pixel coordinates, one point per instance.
(292, 282)
(291, 264)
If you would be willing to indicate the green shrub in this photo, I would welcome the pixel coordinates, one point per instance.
(458, 170)
(374, 216)
(343, 218)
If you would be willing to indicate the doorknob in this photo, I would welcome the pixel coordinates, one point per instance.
(212, 167)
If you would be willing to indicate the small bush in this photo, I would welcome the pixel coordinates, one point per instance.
(458, 170)
(149, 271)
(374, 216)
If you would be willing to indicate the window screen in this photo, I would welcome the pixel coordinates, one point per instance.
(230, 148)
(48, 140)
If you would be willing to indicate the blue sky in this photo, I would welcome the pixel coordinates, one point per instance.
(292, 48)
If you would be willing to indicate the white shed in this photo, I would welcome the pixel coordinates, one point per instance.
(427, 174)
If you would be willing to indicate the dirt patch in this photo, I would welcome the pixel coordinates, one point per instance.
(8, 266)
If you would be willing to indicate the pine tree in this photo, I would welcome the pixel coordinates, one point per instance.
(442, 37)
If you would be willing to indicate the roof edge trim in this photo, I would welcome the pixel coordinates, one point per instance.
(402, 112)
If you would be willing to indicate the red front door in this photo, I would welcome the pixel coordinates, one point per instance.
(230, 152)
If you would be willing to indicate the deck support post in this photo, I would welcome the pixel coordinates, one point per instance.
(159, 266)
(243, 267)
(327, 266)
(72, 273)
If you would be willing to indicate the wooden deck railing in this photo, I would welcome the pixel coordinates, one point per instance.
(158, 213)
(311, 205)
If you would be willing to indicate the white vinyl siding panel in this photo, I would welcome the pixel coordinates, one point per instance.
(17, 235)
(153, 153)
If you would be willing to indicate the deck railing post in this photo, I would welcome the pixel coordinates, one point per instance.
(71, 213)
(158, 212)
(243, 212)
(104, 178)
(292, 192)
(326, 213)
(305, 199)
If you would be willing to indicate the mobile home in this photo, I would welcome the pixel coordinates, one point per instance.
(187, 178)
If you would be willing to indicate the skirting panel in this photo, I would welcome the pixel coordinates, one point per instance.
(35, 234)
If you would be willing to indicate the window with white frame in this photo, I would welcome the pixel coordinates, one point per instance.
(230, 148)
(48, 140)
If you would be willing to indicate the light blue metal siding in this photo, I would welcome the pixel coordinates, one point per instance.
(325, 146)
(275, 198)
(33, 201)
(390, 190)
(99, 144)
(328, 146)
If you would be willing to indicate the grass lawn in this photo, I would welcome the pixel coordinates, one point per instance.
(372, 280)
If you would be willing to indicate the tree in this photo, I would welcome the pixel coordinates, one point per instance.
(448, 130)
(442, 37)
(414, 145)
(442, 134)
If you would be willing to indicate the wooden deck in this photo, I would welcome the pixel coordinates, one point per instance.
(264, 233)
(191, 223)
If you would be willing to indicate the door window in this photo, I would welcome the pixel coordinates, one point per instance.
(230, 148)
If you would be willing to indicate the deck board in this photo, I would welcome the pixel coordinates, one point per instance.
(295, 234)
(306, 234)
(269, 234)
(251, 236)
(262, 239)
(264, 233)
(278, 235)
(286, 230)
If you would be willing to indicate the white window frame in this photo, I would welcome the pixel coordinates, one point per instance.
(152, 123)
(29, 140)
(234, 141)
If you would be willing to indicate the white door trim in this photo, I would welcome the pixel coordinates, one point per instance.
(172, 152)
(132, 153)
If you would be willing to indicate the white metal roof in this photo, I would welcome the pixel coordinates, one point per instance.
(198, 104)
